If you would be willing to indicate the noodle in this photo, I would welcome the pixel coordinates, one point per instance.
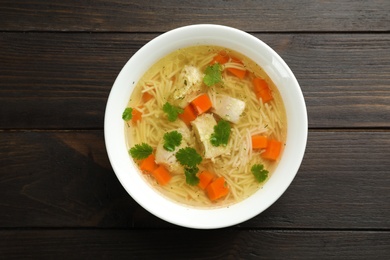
(257, 118)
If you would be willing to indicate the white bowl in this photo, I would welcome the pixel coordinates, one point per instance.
(280, 73)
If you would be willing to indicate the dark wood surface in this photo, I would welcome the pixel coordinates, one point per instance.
(59, 197)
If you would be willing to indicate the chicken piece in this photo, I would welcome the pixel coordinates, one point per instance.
(167, 158)
(188, 85)
(228, 108)
(203, 127)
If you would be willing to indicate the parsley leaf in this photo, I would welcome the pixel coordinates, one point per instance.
(190, 173)
(213, 74)
(127, 114)
(141, 151)
(172, 111)
(188, 157)
(171, 140)
(221, 133)
(259, 172)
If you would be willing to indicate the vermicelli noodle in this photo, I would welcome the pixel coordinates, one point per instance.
(234, 165)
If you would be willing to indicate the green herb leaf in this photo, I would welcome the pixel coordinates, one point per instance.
(127, 114)
(221, 133)
(171, 140)
(188, 157)
(213, 74)
(172, 111)
(259, 172)
(141, 151)
(190, 173)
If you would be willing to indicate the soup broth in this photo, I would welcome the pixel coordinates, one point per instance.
(206, 126)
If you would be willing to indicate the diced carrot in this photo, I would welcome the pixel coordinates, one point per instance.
(272, 151)
(161, 175)
(262, 89)
(201, 104)
(146, 96)
(217, 189)
(237, 72)
(222, 57)
(188, 114)
(148, 165)
(259, 141)
(205, 178)
(137, 115)
(236, 60)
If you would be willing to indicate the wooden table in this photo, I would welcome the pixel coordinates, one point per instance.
(59, 197)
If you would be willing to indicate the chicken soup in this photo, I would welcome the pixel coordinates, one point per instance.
(206, 126)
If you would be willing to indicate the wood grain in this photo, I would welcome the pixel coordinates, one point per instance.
(59, 197)
(62, 81)
(63, 179)
(154, 16)
(193, 244)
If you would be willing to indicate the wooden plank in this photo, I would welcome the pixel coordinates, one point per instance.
(60, 80)
(154, 16)
(63, 179)
(342, 176)
(345, 78)
(55, 80)
(68, 181)
(193, 244)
